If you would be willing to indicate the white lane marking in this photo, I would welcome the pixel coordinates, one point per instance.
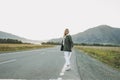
(59, 79)
(8, 61)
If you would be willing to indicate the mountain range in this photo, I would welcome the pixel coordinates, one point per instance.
(5, 35)
(102, 34)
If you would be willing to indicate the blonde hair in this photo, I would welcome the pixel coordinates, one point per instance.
(66, 32)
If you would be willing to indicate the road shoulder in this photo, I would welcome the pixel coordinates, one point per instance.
(92, 69)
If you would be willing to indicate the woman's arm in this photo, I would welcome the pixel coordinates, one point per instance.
(71, 42)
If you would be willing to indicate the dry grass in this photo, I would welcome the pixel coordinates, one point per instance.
(108, 55)
(19, 47)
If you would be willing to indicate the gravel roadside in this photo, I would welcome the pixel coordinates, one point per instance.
(92, 69)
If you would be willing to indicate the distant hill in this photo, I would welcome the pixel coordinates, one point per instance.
(5, 35)
(102, 34)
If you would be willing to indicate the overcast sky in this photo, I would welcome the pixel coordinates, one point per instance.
(46, 19)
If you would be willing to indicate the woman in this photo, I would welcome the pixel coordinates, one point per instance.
(67, 47)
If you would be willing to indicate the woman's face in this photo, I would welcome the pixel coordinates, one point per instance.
(66, 31)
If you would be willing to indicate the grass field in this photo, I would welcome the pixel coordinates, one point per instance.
(108, 55)
(19, 47)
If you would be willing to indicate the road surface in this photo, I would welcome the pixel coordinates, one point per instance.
(47, 64)
(92, 69)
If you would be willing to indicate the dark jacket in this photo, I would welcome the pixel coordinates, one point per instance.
(68, 43)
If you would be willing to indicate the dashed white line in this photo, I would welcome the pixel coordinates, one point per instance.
(59, 79)
(9, 61)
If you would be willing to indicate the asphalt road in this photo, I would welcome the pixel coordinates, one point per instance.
(92, 69)
(47, 64)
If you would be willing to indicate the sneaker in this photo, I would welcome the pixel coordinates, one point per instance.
(68, 68)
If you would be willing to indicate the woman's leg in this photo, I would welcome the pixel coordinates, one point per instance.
(67, 58)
